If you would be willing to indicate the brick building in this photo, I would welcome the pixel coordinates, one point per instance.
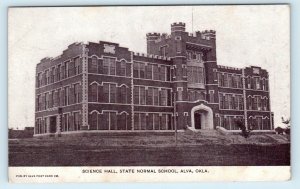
(102, 86)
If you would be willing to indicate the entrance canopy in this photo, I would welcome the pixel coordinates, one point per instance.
(202, 117)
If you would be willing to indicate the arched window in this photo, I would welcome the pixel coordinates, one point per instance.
(123, 94)
(122, 68)
(122, 121)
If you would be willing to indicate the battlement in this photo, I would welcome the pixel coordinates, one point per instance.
(153, 36)
(178, 26)
(209, 31)
(151, 56)
(228, 67)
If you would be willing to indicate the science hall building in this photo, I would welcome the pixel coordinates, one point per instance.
(105, 87)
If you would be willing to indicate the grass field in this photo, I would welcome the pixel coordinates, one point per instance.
(209, 150)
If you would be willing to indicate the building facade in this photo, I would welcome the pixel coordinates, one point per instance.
(178, 83)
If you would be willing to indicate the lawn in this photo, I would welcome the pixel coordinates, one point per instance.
(151, 150)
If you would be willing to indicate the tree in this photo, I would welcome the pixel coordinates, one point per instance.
(279, 130)
(286, 122)
(240, 124)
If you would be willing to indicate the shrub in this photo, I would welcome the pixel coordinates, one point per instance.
(240, 124)
(287, 131)
(279, 130)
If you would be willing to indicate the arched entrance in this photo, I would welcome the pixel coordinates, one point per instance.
(202, 117)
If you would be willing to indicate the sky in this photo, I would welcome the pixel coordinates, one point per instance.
(245, 35)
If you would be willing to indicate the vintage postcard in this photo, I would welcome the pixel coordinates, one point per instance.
(149, 93)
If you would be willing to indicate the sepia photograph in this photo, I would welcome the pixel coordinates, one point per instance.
(136, 93)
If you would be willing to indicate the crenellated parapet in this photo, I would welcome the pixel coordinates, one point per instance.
(178, 26)
(151, 56)
(152, 36)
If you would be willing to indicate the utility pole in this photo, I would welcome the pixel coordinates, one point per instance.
(175, 120)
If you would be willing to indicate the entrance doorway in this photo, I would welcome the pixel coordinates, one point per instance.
(202, 117)
(197, 116)
(52, 124)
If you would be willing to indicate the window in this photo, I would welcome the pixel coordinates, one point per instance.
(140, 121)
(76, 92)
(211, 96)
(179, 93)
(221, 101)
(66, 68)
(142, 96)
(199, 56)
(163, 122)
(122, 122)
(259, 123)
(220, 79)
(259, 106)
(225, 80)
(155, 72)
(71, 70)
(39, 79)
(66, 96)
(58, 100)
(267, 85)
(136, 121)
(94, 92)
(51, 100)
(169, 73)
(106, 120)
(76, 121)
(162, 73)
(136, 70)
(47, 77)
(77, 65)
(142, 70)
(156, 96)
(113, 121)
(255, 103)
(229, 98)
(139, 70)
(94, 65)
(123, 95)
(112, 67)
(163, 97)
(150, 96)
(52, 75)
(230, 80)
(149, 125)
(143, 121)
(39, 103)
(195, 74)
(105, 66)
(156, 121)
(109, 93)
(122, 68)
(46, 101)
(106, 92)
(93, 121)
(113, 92)
(257, 83)
(149, 71)
(136, 95)
(163, 50)
(241, 103)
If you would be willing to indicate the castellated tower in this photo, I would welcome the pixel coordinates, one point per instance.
(151, 38)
